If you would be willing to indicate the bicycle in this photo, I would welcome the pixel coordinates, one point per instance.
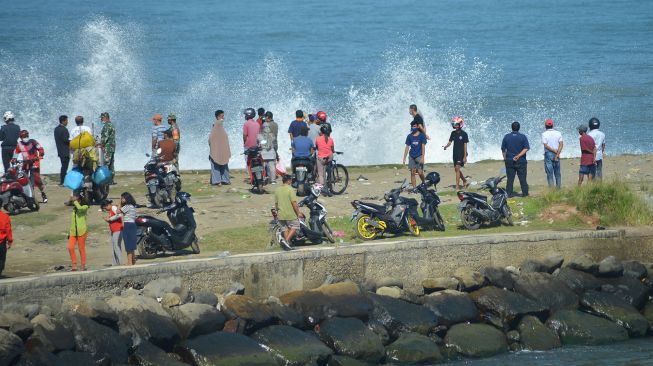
(337, 177)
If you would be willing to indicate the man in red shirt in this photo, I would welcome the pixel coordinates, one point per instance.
(587, 155)
(6, 239)
(32, 152)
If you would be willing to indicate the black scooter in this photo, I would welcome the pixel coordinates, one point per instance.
(395, 217)
(156, 236)
(475, 210)
(256, 169)
(431, 217)
(161, 178)
(303, 175)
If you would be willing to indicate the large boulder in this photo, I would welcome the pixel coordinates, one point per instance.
(197, 319)
(11, 347)
(51, 334)
(440, 283)
(17, 324)
(634, 269)
(143, 318)
(394, 292)
(66, 358)
(157, 288)
(619, 311)
(95, 308)
(398, 316)
(508, 306)
(648, 314)
(530, 265)
(223, 348)
(577, 328)
(451, 307)
(147, 354)
(350, 337)
(205, 297)
(102, 342)
(535, 336)
(342, 299)
(610, 267)
(291, 346)
(578, 281)
(499, 277)
(470, 280)
(285, 315)
(553, 261)
(545, 290)
(411, 349)
(256, 314)
(627, 288)
(584, 263)
(337, 360)
(476, 340)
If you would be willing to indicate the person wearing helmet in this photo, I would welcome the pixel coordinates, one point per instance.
(553, 145)
(297, 125)
(108, 142)
(251, 130)
(176, 136)
(322, 121)
(460, 140)
(587, 155)
(31, 153)
(9, 134)
(599, 139)
(514, 148)
(325, 150)
(416, 152)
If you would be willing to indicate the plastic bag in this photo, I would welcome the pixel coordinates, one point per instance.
(281, 167)
(73, 179)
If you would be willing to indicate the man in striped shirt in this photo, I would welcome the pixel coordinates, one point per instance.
(157, 131)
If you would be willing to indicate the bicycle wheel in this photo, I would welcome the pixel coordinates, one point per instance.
(338, 179)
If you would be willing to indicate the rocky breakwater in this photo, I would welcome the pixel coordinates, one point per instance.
(540, 305)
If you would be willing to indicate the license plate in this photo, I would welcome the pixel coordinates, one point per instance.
(257, 169)
(353, 216)
(301, 168)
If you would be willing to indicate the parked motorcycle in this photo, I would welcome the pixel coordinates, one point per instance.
(475, 210)
(256, 169)
(161, 178)
(396, 216)
(303, 175)
(17, 190)
(431, 217)
(155, 236)
(95, 193)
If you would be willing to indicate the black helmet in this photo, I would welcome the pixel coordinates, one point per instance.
(182, 197)
(433, 178)
(594, 123)
(249, 113)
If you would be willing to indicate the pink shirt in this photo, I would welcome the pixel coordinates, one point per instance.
(250, 131)
(324, 148)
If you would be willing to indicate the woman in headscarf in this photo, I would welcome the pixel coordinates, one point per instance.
(219, 151)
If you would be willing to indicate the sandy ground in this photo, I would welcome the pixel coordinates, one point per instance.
(40, 238)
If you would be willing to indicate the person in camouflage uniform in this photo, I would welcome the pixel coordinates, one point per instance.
(174, 130)
(108, 142)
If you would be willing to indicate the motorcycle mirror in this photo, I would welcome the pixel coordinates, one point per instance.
(158, 151)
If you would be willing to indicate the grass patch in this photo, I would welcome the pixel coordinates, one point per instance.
(32, 219)
(52, 238)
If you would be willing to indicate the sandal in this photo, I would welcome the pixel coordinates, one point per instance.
(73, 269)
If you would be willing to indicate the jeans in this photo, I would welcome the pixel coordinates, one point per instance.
(552, 168)
(65, 160)
(599, 170)
(520, 169)
(3, 255)
(7, 155)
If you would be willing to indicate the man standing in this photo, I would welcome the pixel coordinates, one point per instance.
(251, 130)
(79, 128)
(553, 144)
(108, 142)
(31, 153)
(274, 130)
(296, 126)
(62, 140)
(6, 239)
(287, 210)
(418, 120)
(9, 134)
(514, 148)
(459, 139)
(157, 131)
(313, 127)
(176, 136)
(587, 155)
(599, 139)
(302, 148)
(416, 144)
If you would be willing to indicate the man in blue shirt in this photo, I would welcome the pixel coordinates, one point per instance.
(514, 147)
(302, 149)
(296, 126)
(416, 146)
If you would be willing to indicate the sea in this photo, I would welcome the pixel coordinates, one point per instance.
(362, 61)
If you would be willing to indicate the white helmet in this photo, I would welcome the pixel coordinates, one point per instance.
(8, 115)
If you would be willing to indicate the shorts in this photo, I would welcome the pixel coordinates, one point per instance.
(416, 163)
(587, 170)
(289, 224)
(458, 160)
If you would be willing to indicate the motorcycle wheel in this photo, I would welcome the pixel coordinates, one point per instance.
(364, 230)
(145, 251)
(328, 233)
(469, 221)
(195, 245)
(301, 189)
(33, 205)
(507, 214)
(100, 193)
(11, 209)
(413, 228)
(438, 220)
(339, 179)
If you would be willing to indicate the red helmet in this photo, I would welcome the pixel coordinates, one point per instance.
(322, 116)
(457, 121)
(24, 134)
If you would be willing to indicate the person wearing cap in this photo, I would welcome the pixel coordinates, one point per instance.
(599, 139)
(108, 142)
(176, 136)
(115, 230)
(514, 148)
(587, 155)
(9, 134)
(157, 131)
(62, 140)
(553, 144)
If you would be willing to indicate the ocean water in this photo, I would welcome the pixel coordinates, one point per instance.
(361, 61)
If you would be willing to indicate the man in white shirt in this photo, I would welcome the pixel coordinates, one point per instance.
(553, 144)
(77, 130)
(599, 139)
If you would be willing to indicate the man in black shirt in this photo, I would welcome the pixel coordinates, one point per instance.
(9, 134)
(62, 139)
(418, 120)
(459, 139)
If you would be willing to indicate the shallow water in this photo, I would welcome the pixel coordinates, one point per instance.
(362, 61)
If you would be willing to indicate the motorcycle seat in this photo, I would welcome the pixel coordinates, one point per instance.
(375, 206)
(477, 195)
(410, 201)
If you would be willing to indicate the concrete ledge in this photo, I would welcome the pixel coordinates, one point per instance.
(412, 260)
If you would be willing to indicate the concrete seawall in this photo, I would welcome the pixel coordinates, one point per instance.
(268, 274)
